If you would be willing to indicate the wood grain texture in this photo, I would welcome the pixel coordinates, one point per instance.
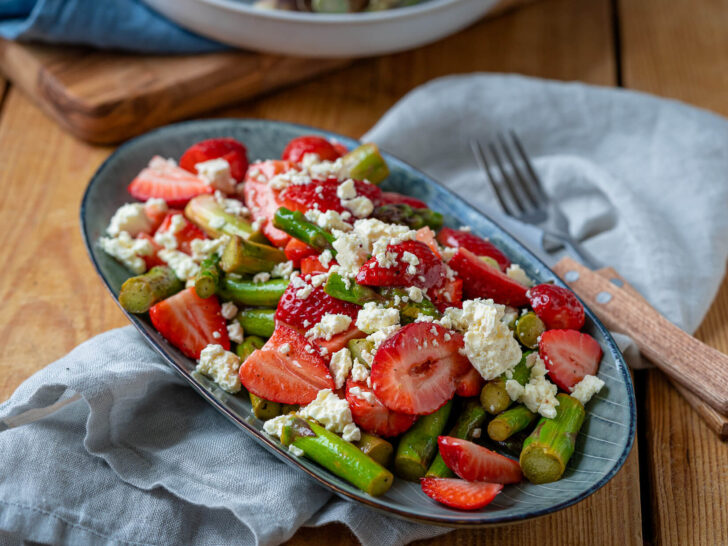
(681, 51)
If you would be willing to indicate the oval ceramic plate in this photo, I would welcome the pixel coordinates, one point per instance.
(239, 24)
(608, 432)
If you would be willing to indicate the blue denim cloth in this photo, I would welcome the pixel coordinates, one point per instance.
(127, 25)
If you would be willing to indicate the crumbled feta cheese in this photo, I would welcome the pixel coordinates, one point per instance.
(218, 222)
(229, 310)
(515, 272)
(412, 260)
(235, 332)
(318, 280)
(296, 451)
(221, 366)
(333, 413)
(448, 252)
(231, 205)
(367, 396)
(415, 294)
(216, 335)
(539, 394)
(128, 251)
(340, 366)
(359, 372)
(378, 337)
(155, 207)
(184, 266)
(167, 238)
(328, 220)
(305, 291)
(477, 432)
(261, 277)
(360, 206)
(510, 314)
(325, 258)
(586, 388)
(329, 325)
(216, 173)
(282, 270)
(130, 218)
(514, 389)
(371, 318)
(425, 318)
(346, 190)
(204, 248)
(285, 348)
(275, 426)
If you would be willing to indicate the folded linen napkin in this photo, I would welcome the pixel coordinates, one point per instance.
(143, 460)
(127, 25)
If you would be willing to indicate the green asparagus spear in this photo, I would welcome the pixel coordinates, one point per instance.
(550, 446)
(358, 347)
(263, 294)
(403, 214)
(296, 225)
(257, 322)
(347, 290)
(248, 346)
(337, 455)
(377, 448)
(529, 328)
(365, 163)
(494, 396)
(264, 409)
(242, 256)
(512, 446)
(418, 445)
(207, 280)
(211, 218)
(513, 420)
(139, 293)
(471, 418)
(409, 310)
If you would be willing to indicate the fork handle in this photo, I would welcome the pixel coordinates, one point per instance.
(689, 362)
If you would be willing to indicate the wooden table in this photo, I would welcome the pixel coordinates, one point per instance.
(674, 486)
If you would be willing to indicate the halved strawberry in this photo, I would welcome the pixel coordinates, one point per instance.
(190, 322)
(459, 493)
(184, 236)
(287, 369)
(311, 265)
(263, 200)
(372, 415)
(470, 384)
(300, 146)
(156, 213)
(302, 313)
(151, 260)
(449, 294)
(569, 356)
(297, 250)
(427, 236)
(393, 198)
(338, 341)
(228, 149)
(165, 180)
(476, 463)
(478, 246)
(481, 280)
(321, 195)
(414, 264)
(416, 370)
(557, 307)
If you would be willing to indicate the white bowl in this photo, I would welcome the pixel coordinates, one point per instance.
(322, 35)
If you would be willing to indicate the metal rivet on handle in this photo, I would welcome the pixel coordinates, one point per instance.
(571, 276)
(603, 297)
(617, 282)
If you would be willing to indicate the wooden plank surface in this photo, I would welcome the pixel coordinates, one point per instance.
(52, 300)
(681, 51)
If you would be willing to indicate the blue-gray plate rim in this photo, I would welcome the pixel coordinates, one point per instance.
(587, 472)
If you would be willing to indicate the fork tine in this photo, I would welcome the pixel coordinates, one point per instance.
(536, 181)
(483, 165)
(508, 183)
(522, 187)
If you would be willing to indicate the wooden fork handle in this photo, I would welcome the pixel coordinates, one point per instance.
(702, 370)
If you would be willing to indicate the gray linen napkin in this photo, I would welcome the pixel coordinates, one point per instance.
(143, 460)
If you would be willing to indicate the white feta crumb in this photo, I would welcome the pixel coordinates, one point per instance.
(130, 218)
(377, 338)
(360, 206)
(515, 272)
(303, 293)
(182, 264)
(128, 251)
(477, 432)
(218, 222)
(329, 325)
(340, 366)
(282, 270)
(231, 205)
(275, 426)
(296, 451)
(586, 388)
(221, 366)
(359, 372)
(367, 396)
(325, 258)
(216, 335)
(204, 248)
(261, 277)
(229, 310)
(346, 190)
(235, 332)
(328, 220)
(285, 348)
(216, 173)
(539, 394)
(415, 294)
(167, 237)
(413, 262)
(371, 317)
(333, 413)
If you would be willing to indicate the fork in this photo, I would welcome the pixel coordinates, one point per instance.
(699, 372)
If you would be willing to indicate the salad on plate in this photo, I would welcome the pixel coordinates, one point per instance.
(369, 337)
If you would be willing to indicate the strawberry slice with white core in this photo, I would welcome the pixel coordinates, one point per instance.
(569, 356)
(459, 493)
(412, 264)
(478, 246)
(371, 415)
(476, 463)
(470, 384)
(287, 369)
(190, 322)
(263, 200)
(416, 370)
(481, 280)
(165, 180)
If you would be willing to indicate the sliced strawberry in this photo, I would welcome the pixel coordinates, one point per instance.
(321, 195)
(459, 493)
(300, 146)
(427, 236)
(190, 322)
(186, 235)
(262, 200)
(372, 415)
(557, 307)
(481, 280)
(298, 250)
(476, 463)
(470, 384)
(151, 260)
(338, 341)
(156, 213)
(392, 198)
(425, 271)
(449, 294)
(339, 147)
(165, 180)
(302, 313)
(416, 370)
(287, 369)
(228, 149)
(311, 265)
(569, 356)
(478, 246)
